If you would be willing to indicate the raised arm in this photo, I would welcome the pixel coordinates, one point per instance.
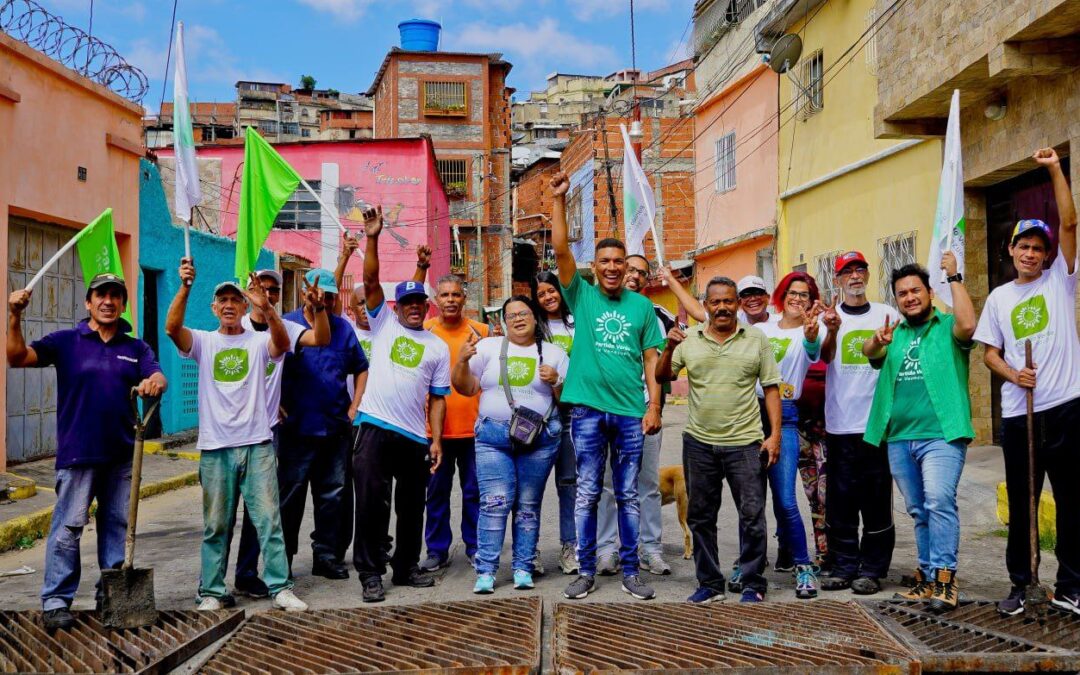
(319, 335)
(18, 354)
(1066, 207)
(664, 371)
(348, 247)
(831, 319)
(461, 376)
(174, 320)
(964, 318)
(279, 337)
(689, 302)
(560, 236)
(373, 294)
(423, 262)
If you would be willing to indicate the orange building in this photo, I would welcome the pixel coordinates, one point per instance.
(70, 149)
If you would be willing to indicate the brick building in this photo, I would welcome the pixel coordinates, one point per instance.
(461, 101)
(1017, 67)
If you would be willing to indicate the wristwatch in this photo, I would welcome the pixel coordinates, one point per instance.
(956, 277)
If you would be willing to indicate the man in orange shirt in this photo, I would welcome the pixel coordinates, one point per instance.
(457, 441)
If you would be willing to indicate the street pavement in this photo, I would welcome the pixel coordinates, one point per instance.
(170, 529)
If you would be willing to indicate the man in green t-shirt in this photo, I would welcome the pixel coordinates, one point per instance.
(925, 358)
(615, 343)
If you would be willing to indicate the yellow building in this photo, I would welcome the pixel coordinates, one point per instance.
(840, 187)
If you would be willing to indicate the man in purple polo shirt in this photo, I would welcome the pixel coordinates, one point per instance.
(97, 364)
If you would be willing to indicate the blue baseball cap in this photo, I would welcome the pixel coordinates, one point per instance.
(326, 279)
(407, 288)
(1026, 228)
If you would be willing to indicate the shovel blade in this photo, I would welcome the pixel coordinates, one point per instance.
(128, 598)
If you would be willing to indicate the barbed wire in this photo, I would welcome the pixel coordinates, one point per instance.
(32, 24)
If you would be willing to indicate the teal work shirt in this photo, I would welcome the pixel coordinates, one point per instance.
(944, 362)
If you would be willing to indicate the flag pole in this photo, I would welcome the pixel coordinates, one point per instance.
(187, 241)
(325, 208)
(52, 261)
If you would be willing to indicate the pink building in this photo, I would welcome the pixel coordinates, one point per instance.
(397, 173)
(735, 196)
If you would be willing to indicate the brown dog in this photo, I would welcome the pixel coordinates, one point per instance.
(673, 489)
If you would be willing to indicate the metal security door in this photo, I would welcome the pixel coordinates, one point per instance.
(57, 303)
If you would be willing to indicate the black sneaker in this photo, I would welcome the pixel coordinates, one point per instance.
(835, 584)
(1067, 602)
(580, 587)
(415, 578)
(1014, 604)
(330, 569)
(60, 618)
(252, 587)
(865, 586)
(373, 590)
(785, 562)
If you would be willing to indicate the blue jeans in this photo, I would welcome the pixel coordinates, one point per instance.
(594, 433)
(789, 522)
(650, 523)
(510, 482)
(566, 481)
(76, 487)
(437, 533)
(226, 474)
(927, 473)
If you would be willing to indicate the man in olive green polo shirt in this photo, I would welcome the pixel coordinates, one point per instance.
(725, 361)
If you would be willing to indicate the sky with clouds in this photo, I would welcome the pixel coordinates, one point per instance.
(342, 42)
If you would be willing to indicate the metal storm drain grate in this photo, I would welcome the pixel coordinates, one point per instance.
(643, 638)
(975, 638)
(90, 647)
(454, 637)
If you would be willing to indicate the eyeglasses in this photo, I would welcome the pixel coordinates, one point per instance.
(861, 271)
(519, 315)
(801, 295)
(637, 271)
(273, 289)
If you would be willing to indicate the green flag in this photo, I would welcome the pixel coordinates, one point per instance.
(98, 253)
(267, 183)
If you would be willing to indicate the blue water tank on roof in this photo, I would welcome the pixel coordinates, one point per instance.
(420, 35)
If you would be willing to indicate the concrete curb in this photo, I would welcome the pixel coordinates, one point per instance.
(157, 448)
(19, 487)
(36, 525)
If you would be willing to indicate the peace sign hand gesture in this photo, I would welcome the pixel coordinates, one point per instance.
(468, 350)
(831, 317)
(256, 295)
(313, 295)
(883, 336)
(811, 326)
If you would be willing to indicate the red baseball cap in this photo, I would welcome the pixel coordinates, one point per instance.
(845, 259)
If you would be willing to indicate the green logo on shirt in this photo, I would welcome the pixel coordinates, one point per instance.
(564, 342)
(406, 352)
(851, 349)
(780, 347)
(366, 346)
(231, 365)
(612, 327)
(270, 365)
(520, 370)
(1030, 317)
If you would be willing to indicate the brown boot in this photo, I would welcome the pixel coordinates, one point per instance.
(946, 592)
(922, 590)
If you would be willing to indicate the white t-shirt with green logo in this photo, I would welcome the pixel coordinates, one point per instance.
(791, 357)
(274, 370)
(561, 334)
(364, 338)
(1043, 311)
(850, 380)
(523, 369)
(232, 387)
(405, 366)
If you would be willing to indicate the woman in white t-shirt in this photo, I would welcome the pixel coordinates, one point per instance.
(796, 344)
(517, 373)
(559, 322)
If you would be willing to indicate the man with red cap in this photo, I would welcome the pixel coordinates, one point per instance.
(858, 482)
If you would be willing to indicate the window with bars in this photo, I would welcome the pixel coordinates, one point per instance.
(445, 98)
(459, 258)
(893, 252)
(870, 51)
(724, 163)
(574, 215)
(825, 276)
(301, 212)
(811, 98)
(455, 176)
(545, 133)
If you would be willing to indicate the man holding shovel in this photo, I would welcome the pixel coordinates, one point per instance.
(97, 364)
(1039, 307)
(237, 457)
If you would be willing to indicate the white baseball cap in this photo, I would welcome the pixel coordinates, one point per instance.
(749, 282)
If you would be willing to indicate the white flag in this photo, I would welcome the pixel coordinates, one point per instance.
(949, 225)
(188, 193)
(639, 207)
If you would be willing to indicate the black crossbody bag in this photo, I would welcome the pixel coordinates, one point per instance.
(525, 423)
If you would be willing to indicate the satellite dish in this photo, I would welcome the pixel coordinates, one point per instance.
(785, 53)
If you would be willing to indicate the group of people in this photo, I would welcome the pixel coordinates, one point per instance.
(378, 407)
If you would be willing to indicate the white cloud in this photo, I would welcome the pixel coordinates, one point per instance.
(136, 11)
(348, 10)
(539, 40)
(590, 9)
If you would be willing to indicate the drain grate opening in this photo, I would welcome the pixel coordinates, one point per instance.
(455, 637)
(91, 647)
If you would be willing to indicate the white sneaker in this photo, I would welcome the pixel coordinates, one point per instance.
(209, 604)
(608, 564)
(288, 601)
(568, 561)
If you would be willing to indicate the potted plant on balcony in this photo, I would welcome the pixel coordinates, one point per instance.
(456, 189)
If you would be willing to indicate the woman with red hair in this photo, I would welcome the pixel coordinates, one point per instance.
(796, 345)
